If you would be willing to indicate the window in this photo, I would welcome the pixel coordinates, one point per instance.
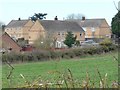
(93, 29)
(58, 33)
(80, 34)
(62, 33)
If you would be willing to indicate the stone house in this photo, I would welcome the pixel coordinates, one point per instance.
(58, 29)
(31, 31)
(19, 28)
(35, 32)
(96, 29)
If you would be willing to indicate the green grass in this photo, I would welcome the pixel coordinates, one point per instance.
(47, 70)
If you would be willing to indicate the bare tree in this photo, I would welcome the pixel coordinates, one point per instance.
(74, 16)
(115, 6)
(46, 42)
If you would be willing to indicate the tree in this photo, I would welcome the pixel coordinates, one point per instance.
(77, 43)
(45, 42)
(2, 26)
(37, 16)
(115, 24)
(70, 39)
(74, 16)
(22, 42)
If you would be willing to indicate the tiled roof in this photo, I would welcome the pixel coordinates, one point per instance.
(57, 25)
(90, 22)
(17, 23)
(9, 42)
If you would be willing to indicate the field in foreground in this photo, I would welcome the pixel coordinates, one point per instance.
(52, 70)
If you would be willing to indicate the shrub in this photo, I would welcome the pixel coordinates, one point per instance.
(78, 52)
(106, 42)
(112, 47)
(47, 55)
(55, 54)
(107, 45)
(68, 54)
(92, 50)
(41, 55)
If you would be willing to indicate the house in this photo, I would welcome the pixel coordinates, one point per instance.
(58, 29)
(96, 29)
(35, 32)
(31, 31)
(19, 28)
(8, 44)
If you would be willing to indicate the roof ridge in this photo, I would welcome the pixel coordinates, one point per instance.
(96, 19)
(20, 20)
(71, 21)
(58, 25)
(14, 23)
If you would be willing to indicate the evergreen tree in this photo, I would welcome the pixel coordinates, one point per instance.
(115, 24)
(37, 16)
(70, 39)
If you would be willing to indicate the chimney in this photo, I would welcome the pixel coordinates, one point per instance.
(55, 18)
(83, 17)
(19, 19)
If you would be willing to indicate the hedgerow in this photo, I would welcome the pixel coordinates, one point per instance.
(57, 54)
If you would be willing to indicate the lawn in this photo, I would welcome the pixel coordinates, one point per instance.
(47, 70)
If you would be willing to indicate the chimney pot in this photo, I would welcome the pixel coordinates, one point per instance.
(83, 18)
(19, 19)
(55, 18)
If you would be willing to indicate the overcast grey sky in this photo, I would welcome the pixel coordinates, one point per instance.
(13, 9)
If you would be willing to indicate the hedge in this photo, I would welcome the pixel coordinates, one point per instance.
(53, 55)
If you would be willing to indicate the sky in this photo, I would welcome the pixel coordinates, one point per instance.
(14, 9)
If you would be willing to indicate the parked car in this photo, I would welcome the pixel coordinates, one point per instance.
(89, 43)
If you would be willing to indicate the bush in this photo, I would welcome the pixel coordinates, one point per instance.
(107, 45)
(106, 42)
(48, 55)
(112, 47)
(68, 54)
(78, 52)
(41, 55)
(55, 54)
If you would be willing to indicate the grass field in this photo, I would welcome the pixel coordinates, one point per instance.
(79, 66)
